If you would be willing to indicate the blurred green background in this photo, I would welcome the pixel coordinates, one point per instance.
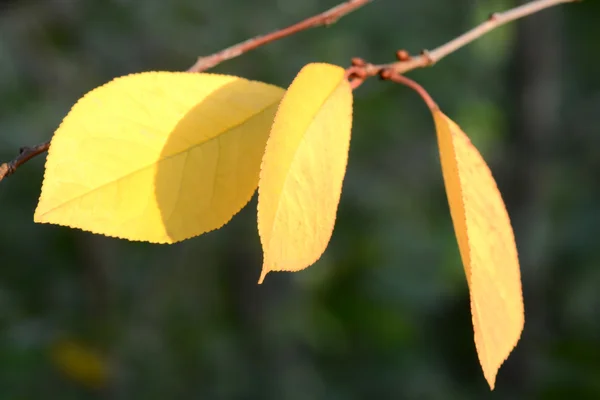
(385, 312)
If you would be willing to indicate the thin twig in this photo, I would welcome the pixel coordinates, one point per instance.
(357, 73)
(326, 18)
(494, 21)
(26, 154)
(429, 58)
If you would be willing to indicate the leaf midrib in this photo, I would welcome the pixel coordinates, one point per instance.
(224, 132)
(308, 126)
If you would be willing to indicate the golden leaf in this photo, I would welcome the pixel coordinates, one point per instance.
(303, 168)
(487, 246)
(158, 156)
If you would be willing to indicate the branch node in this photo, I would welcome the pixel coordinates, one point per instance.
(330, 20)
(429, 61)
(493, 17)
(403, 55)
(358, 62)
(385, 74)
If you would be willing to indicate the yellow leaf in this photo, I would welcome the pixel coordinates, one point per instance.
(303, 169)
(487, 246)
(80, 363)
(158, 156)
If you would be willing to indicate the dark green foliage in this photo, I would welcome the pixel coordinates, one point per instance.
(385, 313)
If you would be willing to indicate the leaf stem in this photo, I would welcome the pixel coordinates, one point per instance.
(413, 85)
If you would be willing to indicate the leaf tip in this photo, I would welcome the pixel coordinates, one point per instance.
(263, 274)
(39, 216)
(492, 373)
(491, 378)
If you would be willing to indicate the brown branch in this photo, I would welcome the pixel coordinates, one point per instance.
(25, 154)
(357, 73)
(326, 18)
(362, 70)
